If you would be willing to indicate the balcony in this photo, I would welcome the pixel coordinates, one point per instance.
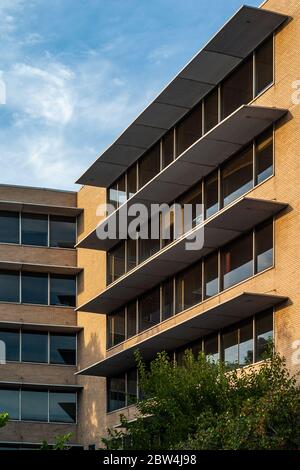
(197, 161)
(237, 218)
(184, 331)
(245, 31)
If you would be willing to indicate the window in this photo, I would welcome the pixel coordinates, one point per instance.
(189, 287)
(9, 227)
(211, 277)
(167, 226)
(167, 299)
(9, 403)
(11, 339)
(34, 229)
(34, 405)
(264, 246)
(131, 320)
(122, 194)
(189, 130)
(62, 407)
(237, 261)
(116, 262)
(131, 181)
(230, 347)
(237, 89)
(62, 231)
(264, 156)
(9, 286)
(116, 393)
(211, 110)
(264, 334)
(34, 347)
(131, 254)
(63, 290)
(112, 195)
(211, 348)
(149, 165)
(237, 176)
(148, 246)
(246, 343)
(35, 288)
(131, 378)
(149, 309)
(62, 349)
(191, 203)
(211, 194)
(264, 65)
(116, 328)
(167, 148)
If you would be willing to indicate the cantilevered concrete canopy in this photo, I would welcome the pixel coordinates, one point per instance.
(226, 225)
(40, 327)
(234, 42)
(197, 161)
(39, 268)
(208, 321)
(13, 206)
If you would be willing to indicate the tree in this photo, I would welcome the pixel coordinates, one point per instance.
(3, 419)
(201, 405)
(61, 443)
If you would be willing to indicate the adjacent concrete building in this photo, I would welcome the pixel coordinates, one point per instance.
(225, 134)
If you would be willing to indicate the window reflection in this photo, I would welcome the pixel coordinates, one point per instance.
(189, 130)
(237, 261)
(237, 176)
(237, 89)
(9, 227)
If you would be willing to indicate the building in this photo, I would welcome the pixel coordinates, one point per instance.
(224, 133)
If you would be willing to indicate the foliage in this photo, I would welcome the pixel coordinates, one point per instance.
(202, 405)
(3, 419)
(61, 443)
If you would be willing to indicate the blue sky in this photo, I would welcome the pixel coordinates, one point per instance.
(78, 72)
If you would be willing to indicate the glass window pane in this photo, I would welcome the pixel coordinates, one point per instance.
(62, 407)
(230, 347)
(34, 405)
(9, 227)
(167, 226)
(112, 195)
(109, 267)
(237, 176)
(131, 181)
(149, 165)
(211, 111)
(237, 261)
(237, 89)
(211, 348)
(131, 387)
(264, 334)
(149, 309)
(211, 194)
(167, 148)
(34, 288)
(191, 203)
(116, 262)
(191, 282)
(62, 231)
(116, 328)
(34, 347)
(9, 403)
(189, 130)
(116, 396)
(179, 293)
(211, 279)
(9, 286)
(246, 343)
(62, 349)
(131, 319)
(131, 253)
(122, 195)
(11, 340)
(264, 156)
(167, 299)
(63, 290)
(34, 229)
(264, 246)
(264, 65)
(148, 246)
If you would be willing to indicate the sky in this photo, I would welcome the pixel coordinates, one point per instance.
(77, 72)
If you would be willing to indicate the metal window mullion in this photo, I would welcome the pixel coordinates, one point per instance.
(254, 174)
(20, 228)
(160, 155)
(160, 302)
(20, 287)
(254, 338)
(220, 195)
(175, 142)
(202, 280)
(137, 306)
(20, 345)
(174, 295)
(20, 404)
(254, 75)
(48, 234)
(126, 390)
(220, 346)
(48, 289)
(254, 263)
(48, 406)
(220, 281)
(219, 103)
(126, 322)
(48, 348)
(202, 115)
(273, 38)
